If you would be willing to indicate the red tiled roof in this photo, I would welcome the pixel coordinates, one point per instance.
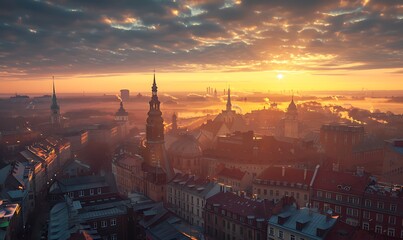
(233, 173)
(292, 175)
(242, 206)
(343, 182)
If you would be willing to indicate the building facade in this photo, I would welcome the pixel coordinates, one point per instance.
(229, 216)
(276, 182)
(127, 170)
(187, 195)
(360, 201)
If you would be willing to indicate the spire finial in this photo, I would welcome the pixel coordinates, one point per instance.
(154, 87)
(54, 91)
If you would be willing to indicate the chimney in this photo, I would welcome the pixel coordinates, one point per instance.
(282, 171)
(305, 170)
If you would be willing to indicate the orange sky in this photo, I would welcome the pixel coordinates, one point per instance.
(190, 82)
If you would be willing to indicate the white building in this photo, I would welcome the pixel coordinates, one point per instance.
(186, 196)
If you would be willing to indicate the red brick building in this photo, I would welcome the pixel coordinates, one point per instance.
(229, 216)
(338, 141)
(360, 201)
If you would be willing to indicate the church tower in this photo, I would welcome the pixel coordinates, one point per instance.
(174, 123)
(291, 120)
(155, 144)
(121, 115)
(229, 105)
(55, 117)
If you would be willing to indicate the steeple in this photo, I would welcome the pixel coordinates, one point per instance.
(174, 122)
(154, 88)
(156, 154)
(229, 105)
(155, 123)
(55, 117)
(54, 105)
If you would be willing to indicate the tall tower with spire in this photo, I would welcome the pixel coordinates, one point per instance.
(174, 123)
(229, 105)
(155, 144)
(55, 117)
(291, 120)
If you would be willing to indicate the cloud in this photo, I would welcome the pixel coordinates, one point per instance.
(107, 37)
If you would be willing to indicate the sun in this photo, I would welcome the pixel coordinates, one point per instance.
(280, 76)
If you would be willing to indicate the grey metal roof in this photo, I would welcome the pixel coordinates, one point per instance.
(313, 220)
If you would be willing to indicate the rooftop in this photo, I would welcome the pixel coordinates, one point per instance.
(309, 221)
(233, 173)
(192, 184)
(342, 182)
(242, 206)
(286, 174)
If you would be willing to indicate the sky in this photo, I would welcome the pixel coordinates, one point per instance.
(251, 45)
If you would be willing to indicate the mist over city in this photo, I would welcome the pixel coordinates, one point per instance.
(227, 119)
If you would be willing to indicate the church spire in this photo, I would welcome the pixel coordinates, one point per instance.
(229, 105)
(154, 88)
(54, 105)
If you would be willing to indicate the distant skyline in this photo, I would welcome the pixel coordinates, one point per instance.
(252, 45)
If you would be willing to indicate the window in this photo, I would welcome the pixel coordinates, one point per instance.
(71, 194)
(113, 222)
(305, 197)
(114, 237)
(81, 193)
(391, 232)
(339, 197)
(380, 205)
(265, 192)
(393, 207)
(365, 226)
(277, 193)
(95, 225)
(378, 229)
(241, 230)
(271, 192)
(337, 209)
(319, 194)
(392, 220)
(352, 212)
(328, 195)
(103, 224)
(379, 217)
(367, 203)
(271, 231)
(99, 190)
(91, 191)
(280, 234)
(366, 215)
(292, 237)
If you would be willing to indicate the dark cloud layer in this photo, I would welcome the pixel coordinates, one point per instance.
(88, 37)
